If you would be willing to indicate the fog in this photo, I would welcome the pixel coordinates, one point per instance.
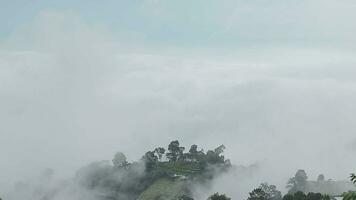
(74, 92)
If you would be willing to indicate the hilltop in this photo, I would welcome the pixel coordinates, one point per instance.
(160, 174)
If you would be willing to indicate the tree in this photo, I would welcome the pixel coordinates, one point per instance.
(217, 196)
(215, 157)
(160, 152)
(265, 192)
(150, 160)
(310, 196)
(119, 160)
(193, 149)
(349, 195)
(258, 194)
(353, 178)
(288, 197)
(175, 151)
(299, 195)
(314, 196)
(298, 182)
(271, 191)
(326, 197)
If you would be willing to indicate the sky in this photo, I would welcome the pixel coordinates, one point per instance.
(272, 80)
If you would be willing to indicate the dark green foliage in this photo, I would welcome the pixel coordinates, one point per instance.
(150, 160)
(215, 157)
(257, 194)
(194, 155)
(353, 178)
(349, 195)
(218, 196)
(160, 152)
(175, 151)
(314, 196)
(299, 195)
(265, 192)
(288, 197)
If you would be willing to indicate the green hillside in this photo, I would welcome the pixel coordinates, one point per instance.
(179, 168)
(165, 189)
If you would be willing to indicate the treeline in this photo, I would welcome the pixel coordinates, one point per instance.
(297, 186)
(322, 185)
(125, 181)
(176, 153)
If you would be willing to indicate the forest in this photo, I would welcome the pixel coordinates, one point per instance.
(171, 174)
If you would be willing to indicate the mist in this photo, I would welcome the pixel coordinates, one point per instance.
(73, 92)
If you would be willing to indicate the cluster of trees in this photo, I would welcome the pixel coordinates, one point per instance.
(300, 182)
(125, 181)
(302, 196)
(217, 196)
(270, 192)
(175, 153)
(265, 192)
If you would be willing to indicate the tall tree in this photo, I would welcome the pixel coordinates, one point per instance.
(175, 151)
(160, 152)
(258, 194)
(298, 182)
(119, 160)
(150, 160)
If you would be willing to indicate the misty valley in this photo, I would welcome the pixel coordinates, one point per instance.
(173, 173)
(177, 100)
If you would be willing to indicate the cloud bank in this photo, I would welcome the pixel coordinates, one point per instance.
(71, 93)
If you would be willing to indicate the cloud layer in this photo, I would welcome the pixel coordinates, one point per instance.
(71, 93)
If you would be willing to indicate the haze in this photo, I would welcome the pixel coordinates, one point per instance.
(274, 81)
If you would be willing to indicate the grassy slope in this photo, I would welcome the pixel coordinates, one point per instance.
(169, 188)
(163, 189)
(179, 168)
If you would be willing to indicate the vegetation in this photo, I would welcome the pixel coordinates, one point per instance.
(302, 196)
(351, 195)
(217, 196)
(353, 178)
(265, 192)
(169, 175)
(160, 174)
(300, 182)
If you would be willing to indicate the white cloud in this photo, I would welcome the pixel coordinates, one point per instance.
(76, 96)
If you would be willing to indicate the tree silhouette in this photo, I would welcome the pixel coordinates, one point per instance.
(217, 196)
(353, 178)
(175, 151)
(298, 182)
